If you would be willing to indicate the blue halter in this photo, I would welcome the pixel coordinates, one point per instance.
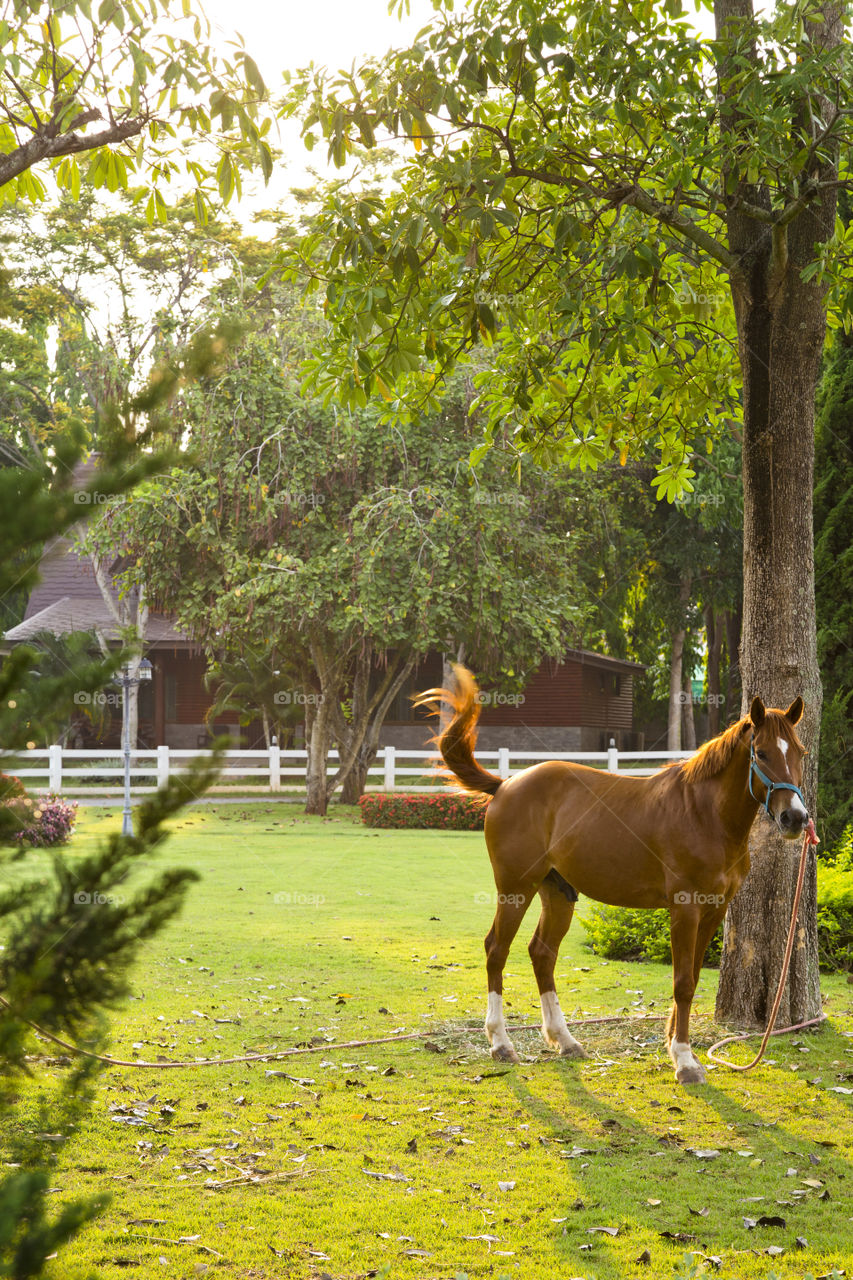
(771, 786)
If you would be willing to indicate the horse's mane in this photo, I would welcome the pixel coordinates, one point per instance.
(712, 757)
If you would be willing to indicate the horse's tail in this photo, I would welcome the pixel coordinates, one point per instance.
(457, 740)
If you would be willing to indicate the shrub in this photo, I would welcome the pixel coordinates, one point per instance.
(835, 908)
(631, 933)
(622, 933)
(446, 811)
(52, 822)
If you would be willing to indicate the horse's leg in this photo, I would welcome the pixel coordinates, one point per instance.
(553, 925)
(508, 917)
(683, 933)
(708, 926)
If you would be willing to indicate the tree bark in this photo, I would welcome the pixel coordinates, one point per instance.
(733, 680)
(318, 742)
(673, 728)
(368, 717)
(714, 644)
(676, 665)
(781, 329)
(688, 721)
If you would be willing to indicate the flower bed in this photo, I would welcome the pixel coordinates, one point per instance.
(52, 822)
(447, 811)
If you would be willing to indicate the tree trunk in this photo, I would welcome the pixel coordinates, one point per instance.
(781, 329)
(318, 742)
(714, 644)
(355, 782)
(688, 721)
(733, 680)
(369, 712)
(676, 674)
(676, 696)
(131, 710)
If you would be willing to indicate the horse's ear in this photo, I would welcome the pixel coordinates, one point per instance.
(756, 713)
(795, 711)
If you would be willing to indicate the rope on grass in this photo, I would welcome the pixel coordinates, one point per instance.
(291, 1053)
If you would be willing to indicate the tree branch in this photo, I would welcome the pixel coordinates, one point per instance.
(42, 147)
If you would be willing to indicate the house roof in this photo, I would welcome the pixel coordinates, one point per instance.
(89, 613)
(63, 573)
(67, 599)
(587, 658)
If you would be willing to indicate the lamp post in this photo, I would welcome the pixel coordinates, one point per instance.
(143, 672)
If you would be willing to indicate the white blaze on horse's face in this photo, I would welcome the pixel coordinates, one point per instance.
(779, 754)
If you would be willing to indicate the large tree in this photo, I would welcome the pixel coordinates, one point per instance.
(591, 184)
(305, 532)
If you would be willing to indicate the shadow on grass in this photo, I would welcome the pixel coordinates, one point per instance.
(637, 1150)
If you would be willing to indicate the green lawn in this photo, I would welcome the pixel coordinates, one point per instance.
(426, 1158)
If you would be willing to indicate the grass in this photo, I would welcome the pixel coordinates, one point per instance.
(425, 1158)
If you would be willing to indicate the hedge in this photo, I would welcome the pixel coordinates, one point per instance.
(445, 811)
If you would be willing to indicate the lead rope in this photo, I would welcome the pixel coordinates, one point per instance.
(327, 1047)
(809, 838)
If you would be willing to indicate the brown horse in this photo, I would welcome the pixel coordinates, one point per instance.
(677, 840)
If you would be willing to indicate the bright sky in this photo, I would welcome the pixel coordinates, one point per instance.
(291, 34)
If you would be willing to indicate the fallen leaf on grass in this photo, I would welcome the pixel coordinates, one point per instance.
(609, 1231)
(699, 1213)
(386, 1177)
(505, 1186)
(644, 1259)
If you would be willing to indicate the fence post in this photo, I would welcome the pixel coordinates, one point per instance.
(275, 767)
(162, 766)
(388, 782)
(612, 757)
(55, 767)
(503, 762)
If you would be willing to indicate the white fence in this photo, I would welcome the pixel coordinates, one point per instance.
(78, 772)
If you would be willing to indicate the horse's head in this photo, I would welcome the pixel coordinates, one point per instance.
(776, 766)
